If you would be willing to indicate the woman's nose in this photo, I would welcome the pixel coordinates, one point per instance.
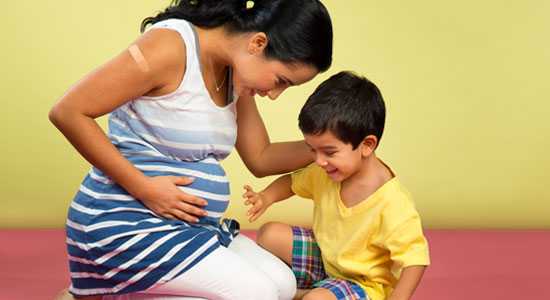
(274, 93)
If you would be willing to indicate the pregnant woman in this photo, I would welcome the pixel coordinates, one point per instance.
(146, 218)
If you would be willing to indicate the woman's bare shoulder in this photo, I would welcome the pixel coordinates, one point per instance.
(164, 52)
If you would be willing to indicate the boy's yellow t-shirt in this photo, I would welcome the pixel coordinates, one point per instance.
(369, 243)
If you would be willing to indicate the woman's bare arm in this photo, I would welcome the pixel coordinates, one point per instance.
(110, 86)
(260, 156)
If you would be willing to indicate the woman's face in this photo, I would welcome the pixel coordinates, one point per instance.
(254, 74)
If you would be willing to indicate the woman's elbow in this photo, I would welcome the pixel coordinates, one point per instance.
(258, 172)
(55, 114)
(59, 114)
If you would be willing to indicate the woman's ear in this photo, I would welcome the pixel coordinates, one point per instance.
(257, 43)
(369, 145)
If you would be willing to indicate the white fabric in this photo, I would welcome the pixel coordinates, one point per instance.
(243, 271)
(186, 123)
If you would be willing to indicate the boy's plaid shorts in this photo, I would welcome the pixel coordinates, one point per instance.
(308, 267)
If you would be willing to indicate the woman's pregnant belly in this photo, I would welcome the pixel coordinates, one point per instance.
(210, 182)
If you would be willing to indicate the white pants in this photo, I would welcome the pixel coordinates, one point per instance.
(244, 271)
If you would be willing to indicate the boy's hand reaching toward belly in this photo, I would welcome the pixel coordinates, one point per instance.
(259, 203)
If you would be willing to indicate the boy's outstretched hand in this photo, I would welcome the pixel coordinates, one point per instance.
(259, 203)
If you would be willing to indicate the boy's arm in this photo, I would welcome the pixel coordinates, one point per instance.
(278, 190)
(407, 283)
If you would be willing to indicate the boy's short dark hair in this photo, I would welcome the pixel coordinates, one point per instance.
(349, 106)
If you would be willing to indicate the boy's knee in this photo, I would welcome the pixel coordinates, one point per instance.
(272, 233)
(277, 239)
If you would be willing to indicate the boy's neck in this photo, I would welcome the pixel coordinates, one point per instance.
(372, 174)
(372, 169)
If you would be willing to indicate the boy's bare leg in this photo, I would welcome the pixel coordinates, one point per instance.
(276, 238)
(300, 294)
(318, 294)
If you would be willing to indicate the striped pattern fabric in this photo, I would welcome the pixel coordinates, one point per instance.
(117, 245)
(307, 265)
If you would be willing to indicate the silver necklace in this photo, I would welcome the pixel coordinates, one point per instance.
(218, 87)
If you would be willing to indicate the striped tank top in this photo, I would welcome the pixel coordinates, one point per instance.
(117, 245)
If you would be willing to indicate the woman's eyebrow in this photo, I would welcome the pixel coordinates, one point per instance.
(287, 80)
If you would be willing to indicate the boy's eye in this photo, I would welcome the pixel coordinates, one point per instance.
(330, 153)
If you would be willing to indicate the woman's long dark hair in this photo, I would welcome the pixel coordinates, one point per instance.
(297, 30)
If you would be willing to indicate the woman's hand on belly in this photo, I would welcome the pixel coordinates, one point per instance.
(162, 195)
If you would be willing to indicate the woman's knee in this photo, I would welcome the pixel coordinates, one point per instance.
(276, 238)
(286, 283)
(274, 268)
(260, 287)
(241, 279)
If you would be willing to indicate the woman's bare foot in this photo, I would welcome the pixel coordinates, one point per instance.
(65, 295)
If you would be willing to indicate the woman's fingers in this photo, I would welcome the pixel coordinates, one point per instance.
(183, 216)
(189, 207)
(192, 210)
(169, 216)
(192, 199)
(170, 201)
(182, 180)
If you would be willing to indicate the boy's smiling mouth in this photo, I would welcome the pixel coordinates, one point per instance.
(331, 171)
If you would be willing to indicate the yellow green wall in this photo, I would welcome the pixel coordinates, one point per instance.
(468, 127)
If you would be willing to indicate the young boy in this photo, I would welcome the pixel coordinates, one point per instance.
(367, 240)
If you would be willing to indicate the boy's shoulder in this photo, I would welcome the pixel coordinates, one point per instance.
(310, 181)
(312, 171)
(398, 204)
(396, 192)
(393, 193)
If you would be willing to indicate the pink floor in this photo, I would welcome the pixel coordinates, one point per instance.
(471, 265)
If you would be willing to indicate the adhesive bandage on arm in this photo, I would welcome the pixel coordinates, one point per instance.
(138, 57)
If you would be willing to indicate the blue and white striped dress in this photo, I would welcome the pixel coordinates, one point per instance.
(117, 245)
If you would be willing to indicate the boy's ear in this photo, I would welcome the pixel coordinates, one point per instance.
(369, 145)
(257, 43)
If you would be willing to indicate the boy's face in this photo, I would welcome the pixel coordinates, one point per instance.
(337, 158)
